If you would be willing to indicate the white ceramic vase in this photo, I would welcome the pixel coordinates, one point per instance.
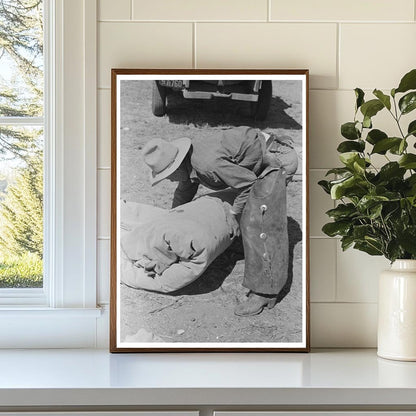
(397, 312)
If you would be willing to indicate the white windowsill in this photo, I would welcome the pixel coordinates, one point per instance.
(41, 327)
(36, 312)
(59, 378)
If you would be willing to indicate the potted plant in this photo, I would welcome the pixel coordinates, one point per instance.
(376, 206)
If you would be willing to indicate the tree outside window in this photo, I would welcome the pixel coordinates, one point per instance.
(21, 143)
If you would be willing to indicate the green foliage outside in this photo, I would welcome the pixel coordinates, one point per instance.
(376, 212)
(21, 213)
(21, 95)
(21, 271)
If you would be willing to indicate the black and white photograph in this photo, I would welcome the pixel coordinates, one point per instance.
(209, 233)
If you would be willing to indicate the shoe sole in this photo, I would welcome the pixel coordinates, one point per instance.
(258, 312)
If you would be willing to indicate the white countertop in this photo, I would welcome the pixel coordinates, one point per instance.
(96, 377)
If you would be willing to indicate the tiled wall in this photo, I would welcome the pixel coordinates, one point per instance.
(344, 43)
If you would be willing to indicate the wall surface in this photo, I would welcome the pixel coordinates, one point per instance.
(345, 44)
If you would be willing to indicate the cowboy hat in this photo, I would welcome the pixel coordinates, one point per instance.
(164, 157)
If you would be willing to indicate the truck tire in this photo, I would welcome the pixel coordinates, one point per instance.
(260, 109)
(158, 100)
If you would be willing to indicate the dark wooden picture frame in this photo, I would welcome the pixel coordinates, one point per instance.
(199, 317)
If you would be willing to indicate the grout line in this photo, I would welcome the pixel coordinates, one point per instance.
(319, 169)
(323, 237)
(338, 63)
(194, 45)
(101, 238)
(269, 10)
(336, 271)
(189, 21)
(342, 89)
(104, 168)
(344, 303)
(310, 22)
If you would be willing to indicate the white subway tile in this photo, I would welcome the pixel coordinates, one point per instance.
(343, 325)
(328, 110)
(357, 275)
(342, 10)
(104, 129)
(143, 45)
(200, 10)
(103, 271)
(104, 202)
(376, 55)
(323, 269)
(114, 10)
(270, 46)
(319, 203)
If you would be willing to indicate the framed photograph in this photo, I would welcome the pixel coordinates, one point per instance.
(209, 211)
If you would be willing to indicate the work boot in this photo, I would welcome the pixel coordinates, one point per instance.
(255, 304)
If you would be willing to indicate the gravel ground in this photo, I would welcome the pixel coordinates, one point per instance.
(203, 311)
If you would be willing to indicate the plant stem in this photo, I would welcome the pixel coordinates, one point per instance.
(397, 118)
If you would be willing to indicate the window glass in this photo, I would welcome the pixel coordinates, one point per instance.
(21, 143)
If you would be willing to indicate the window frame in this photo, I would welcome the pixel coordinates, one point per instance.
(70, 211)
(38, 296)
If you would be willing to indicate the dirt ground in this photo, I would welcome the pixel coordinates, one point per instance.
(203, 311)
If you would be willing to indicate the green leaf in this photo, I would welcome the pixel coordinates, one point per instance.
(402, 147)
(346, 242)
(408, 82)
(349, 146)
(408, 102)
(411, 183)
(398, 149)
(368, 201)
(342, 179)
(375, 136)
(342, 211)
(408, 161)
(367, 122)
(411, 180)
(348, 158)
(368, 248)
(375, 211)
(338, 171)
(411, 130)
(383, 145)
(385, 99)
(325, 186)
(339, 189)
(407, 240)
(391, 170)
(394, 251)
(393, 92)
(333, 229)
(371, 108)
(359, 165)
(349, 131)
(359, 95)
(361, 231)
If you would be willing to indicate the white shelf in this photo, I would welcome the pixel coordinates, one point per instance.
(57, 378)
